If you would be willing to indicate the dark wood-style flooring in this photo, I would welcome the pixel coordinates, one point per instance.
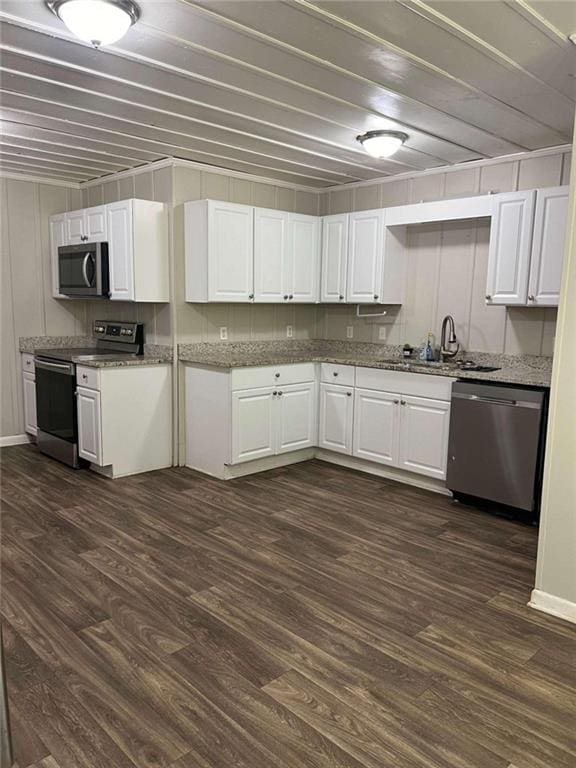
(308, 617)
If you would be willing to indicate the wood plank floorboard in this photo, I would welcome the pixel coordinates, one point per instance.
(307, 617)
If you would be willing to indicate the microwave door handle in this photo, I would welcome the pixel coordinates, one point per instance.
(84, 270)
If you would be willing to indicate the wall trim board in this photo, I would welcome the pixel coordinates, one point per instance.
(176, 162)
(40, 179)
(555, 606)
(483, 163)
(6, 442)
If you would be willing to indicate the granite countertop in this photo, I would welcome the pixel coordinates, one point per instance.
(526, 370)
(154, 354)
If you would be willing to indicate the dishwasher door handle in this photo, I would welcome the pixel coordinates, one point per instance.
(497, 401)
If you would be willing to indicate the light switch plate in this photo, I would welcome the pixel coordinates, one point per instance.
(382, 333)
(223, 333)
(349, 331)
(289, 332)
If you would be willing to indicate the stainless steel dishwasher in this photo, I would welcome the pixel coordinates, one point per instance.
(496, 444)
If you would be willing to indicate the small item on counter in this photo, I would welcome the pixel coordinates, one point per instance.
(430, 348)
(407, 350)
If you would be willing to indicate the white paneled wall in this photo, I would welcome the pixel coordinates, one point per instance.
(28, 308)
(447, 263)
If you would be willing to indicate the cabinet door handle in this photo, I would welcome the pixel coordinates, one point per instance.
(251, 296)
(335, 373)
(274, 393)
(280, 394)
(84, 377)
(488, 297)
(291, 297)
(348, 394)
(341, 298)
(286, 297)
(402, 402)
(396, 402)
(530, 298)
(277, 375)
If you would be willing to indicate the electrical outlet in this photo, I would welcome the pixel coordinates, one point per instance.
(289, 332)
(382, 331)
(349, 331)
(223, 333)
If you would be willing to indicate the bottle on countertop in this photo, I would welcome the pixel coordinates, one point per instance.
(429, 353)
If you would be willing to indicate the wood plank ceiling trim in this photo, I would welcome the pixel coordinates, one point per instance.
(281, 89)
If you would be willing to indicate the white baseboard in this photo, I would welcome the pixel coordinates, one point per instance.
(5, 442)
(555, 606)
(390, 473)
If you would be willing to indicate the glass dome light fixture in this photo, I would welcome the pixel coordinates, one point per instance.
(98, 22)
(382, 143)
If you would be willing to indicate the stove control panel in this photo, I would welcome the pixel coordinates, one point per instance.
(112, 331)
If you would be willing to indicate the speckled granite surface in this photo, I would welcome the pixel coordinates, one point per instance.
(527, 370)
(154, 354)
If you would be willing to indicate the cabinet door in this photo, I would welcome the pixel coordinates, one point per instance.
(376, 425)
(510, 243)
(303, 263)
(334, 258)
(365, 257)
(121, 250)
(57, 238)
(96, 225)
(270, 255)
(336, 418)
(76, 227)
(230, 252)
(29, 383)
(548, 246)
(89, 425)
(424, 427)
(296, 423)
(253, 413)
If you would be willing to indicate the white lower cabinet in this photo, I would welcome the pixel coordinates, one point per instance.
(423, 443)
(271, 421)
(253, 424)
(125, 418)
(29, 385)
(89, 425)
(296, 417)
(336, 418)
(376, 426)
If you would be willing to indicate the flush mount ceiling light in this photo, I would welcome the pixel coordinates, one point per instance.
(382, 143)
(99, 22)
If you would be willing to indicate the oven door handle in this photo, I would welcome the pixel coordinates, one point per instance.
(84, 269)
(56, 367)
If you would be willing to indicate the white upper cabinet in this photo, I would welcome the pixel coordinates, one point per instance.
(219, 243)
(548, 246)
(303, 262)
(334, 258)
(96, 224)
(271, 248)
(57, 238)
(76, 227)
(365, 257)
(137, 235)
(510, 245)
(138, 251)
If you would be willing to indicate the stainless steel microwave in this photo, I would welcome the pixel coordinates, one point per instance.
(83, 270)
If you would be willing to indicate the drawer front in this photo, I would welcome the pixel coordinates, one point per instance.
(88, 377)
(330, 373)
(270, 375)
(27, 362)
(416, 384)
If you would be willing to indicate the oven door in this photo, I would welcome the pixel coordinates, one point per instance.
(83, 269)
(56, 399)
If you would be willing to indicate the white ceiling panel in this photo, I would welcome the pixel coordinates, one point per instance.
(282, 89)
